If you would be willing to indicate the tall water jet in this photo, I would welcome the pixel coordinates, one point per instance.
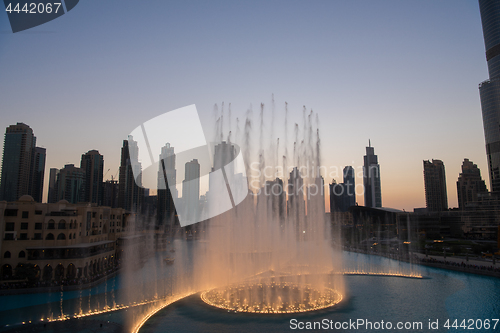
(272, 252)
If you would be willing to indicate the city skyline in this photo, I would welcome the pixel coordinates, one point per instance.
(370, 164)
(440, 85)
(192, 166)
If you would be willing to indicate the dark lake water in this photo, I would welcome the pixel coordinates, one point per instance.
(370, 300)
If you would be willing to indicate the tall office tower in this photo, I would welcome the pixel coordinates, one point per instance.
(470, 184)
(191, 190)
(110, 193)
(436, 198)
(167, 176)
(316, 196)
(130, 192)
(37, 173)
(371, 178)
(224, 153)
(52, 197)
(296, 202)
(489, 90)
(93, 164)
(70, 184)
(342, 196)
(276, 197)
(19, 143)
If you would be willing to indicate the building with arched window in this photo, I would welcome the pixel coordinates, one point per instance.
(62, 240)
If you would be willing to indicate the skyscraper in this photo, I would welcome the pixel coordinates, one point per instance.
(371, 178)
(342, 195)
(316, 197)
(166, 170)
(93, 164)
(130, 192)
(110, 193)
(489, 90)
(296, 203)
(70, 184)
(469, 184)
(52, 197)
(191, 190)
(436, 198)
(23, 164)
(275, 195)
(37, 173)
(224, 153)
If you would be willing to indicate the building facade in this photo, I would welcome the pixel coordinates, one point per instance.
(342, 195)
(52, 195)
(70, 184)
(23, 164)
(52, 242)
(130, 192)
(489, 90)
(436, 197)
(470, 185)
(167, 177)
(371, 178)
(191, 191)
(93, 164)
(275, 195)
(37, 173)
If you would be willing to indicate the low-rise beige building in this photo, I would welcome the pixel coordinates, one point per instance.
(57, 241)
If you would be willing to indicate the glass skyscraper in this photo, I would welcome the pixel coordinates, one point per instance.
(436, 196)
(371, 178)
(93, 164)
(23, 164)
(489, 90)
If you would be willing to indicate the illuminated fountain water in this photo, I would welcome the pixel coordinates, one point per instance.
(275, 251)
(272, 253)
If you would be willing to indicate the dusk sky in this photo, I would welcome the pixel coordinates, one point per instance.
(404, 74)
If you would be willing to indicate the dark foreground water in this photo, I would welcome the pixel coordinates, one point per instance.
(372, 304)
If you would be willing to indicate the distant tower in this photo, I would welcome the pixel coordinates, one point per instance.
(224, 153)
(349, 181)
(342, 195)
(316, 197)
(18, 150)
(130, 192)
(110, 193)
(52, 198)
(166, 168)
(489, 90)
(71, 184)
(296, 202)
(371, 178)
(93, 164)
(470, 184)
(276, 197)
(37, 173)
(436, 197)
(191, 190)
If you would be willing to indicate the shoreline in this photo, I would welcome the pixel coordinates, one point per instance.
(449, 263)
(53, 289)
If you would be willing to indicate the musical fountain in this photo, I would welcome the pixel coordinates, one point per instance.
(274, 253)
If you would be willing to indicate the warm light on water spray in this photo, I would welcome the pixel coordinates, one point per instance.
(272, 298)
